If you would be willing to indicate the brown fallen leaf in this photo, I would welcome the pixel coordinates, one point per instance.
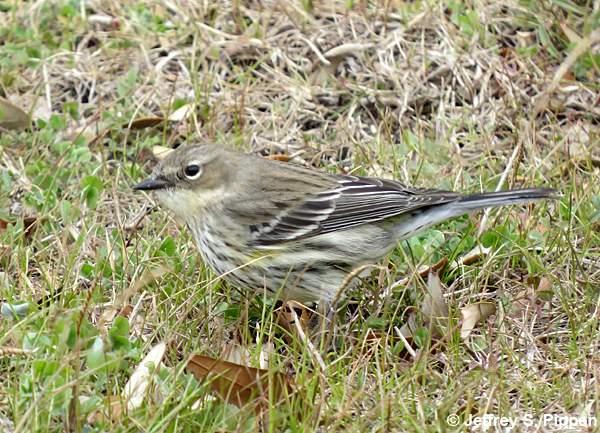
(573, 38)
(29, 225)
(143, 122)
(279, 157)
(240, 384)
(148, 122)
(473, 314)
(11, 116)
(433, 311)
(544, 290)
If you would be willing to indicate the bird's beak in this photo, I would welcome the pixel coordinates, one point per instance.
(153, 183)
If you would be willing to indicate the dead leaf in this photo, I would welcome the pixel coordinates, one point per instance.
(89, 131)
(240, 384)
(433, 311)
(161, 152)
(12, 117)
(29, 225)
(473, 314)
(143, 122)
(236, 353)
(544, 290)
(522, 303)
(278, 157)
(240, 354)
(182, 112)
(135, 388)
(151, 121)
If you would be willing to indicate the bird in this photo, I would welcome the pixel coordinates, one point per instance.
(295, 232)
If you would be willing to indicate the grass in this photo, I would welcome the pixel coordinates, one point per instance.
(439, 94)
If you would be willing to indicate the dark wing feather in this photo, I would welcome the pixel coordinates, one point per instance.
(353, 202)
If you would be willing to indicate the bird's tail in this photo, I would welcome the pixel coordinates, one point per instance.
(431, 215)
(470, 203)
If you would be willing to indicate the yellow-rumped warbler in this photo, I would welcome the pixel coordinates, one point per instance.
(272, 225)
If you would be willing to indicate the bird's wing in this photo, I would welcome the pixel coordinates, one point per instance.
(353, 201)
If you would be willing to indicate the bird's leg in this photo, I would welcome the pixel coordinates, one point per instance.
(322, 325)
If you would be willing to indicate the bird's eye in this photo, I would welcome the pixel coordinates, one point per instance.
(193, 171)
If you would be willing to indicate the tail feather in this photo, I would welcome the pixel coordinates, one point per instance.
(501, 198)
(470, 203)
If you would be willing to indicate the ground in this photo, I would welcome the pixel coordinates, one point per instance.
(463, 95)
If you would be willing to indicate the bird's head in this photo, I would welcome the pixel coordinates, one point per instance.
(190, 178)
